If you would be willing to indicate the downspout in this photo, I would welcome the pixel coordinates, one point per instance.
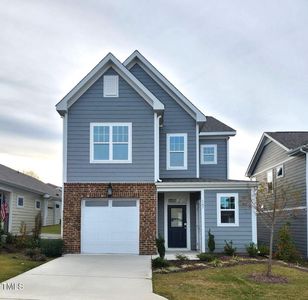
(157, 149)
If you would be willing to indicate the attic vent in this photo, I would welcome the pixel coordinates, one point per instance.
(111, 86)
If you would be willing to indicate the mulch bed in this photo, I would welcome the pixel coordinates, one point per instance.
(262, 278)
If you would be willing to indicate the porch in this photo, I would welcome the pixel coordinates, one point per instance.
(179, 221)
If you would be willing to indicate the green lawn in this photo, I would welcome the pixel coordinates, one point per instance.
(230, 283)
(14, 264)
(53, 229)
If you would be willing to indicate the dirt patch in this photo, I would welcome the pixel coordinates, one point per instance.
(262, 278)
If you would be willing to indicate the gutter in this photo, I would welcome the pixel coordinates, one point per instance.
(244, 184)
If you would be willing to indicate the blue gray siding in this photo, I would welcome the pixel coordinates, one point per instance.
(241, 235)
(219, 170)
(93, 107)
(176, 120)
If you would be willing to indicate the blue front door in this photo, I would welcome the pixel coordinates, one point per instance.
(177, 232)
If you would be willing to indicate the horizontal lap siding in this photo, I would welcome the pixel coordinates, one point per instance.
(297, 226)
(219, 170)
(93, 107)
(241, 235)
(176, 120)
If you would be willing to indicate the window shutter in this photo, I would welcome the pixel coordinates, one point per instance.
(111, 86)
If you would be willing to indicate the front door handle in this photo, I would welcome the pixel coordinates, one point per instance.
(185, 225)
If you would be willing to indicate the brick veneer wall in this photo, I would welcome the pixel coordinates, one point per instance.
(75, 192)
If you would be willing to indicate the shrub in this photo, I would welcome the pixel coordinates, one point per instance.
(216, 262)
(263, 250)
(181, 257)
(252, 250)
(160, 244)
(159, 262)
(286, 249)
(37, 226)
(206, 256)
(52, 247)
(35, 254)
(229, 249)
(10, 238)
(211, 241)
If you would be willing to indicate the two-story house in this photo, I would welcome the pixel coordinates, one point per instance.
(140, 160)
(281, 160)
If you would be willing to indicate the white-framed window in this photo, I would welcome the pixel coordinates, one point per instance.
(208, 154)
(177, 151)
(279, 171)
(269, 180)
(37, 204)
(110, 142)
(111, 86)
(20, 201)
(227, 209)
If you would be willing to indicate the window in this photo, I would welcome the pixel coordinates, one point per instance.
(20, 201)
(269, 178)
(37, 204)
(177, 151)
(227, 210)
(111, 86)
(208, 154)
(111, 143)
(279, 171)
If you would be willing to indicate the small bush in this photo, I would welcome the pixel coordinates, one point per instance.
(211, 241)
(52, 248)
(263, 250)
(286, 249)
(159, 262)
(181, 257)
(160, 244)
(35, 254)
(10, 239)
(206, 256)
(252, 250)
(229, 249)
(37, 226)
(216, 262)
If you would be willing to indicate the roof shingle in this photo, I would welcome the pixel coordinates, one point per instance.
(290, 139)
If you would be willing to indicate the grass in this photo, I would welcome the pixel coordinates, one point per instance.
(52, 229)
(14, 264)
(230, 283)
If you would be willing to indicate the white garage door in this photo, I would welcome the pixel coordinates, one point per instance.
(110, 226)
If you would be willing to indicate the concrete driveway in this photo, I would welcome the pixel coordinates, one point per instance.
(86, 277)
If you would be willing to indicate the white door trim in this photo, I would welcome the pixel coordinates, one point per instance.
(166, 204)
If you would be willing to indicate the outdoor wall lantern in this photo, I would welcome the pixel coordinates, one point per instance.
(109, 190)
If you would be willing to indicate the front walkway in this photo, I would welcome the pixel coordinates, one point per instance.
(109, 277)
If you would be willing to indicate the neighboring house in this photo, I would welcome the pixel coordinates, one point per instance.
(26, 196)
(140, 160)
(281, 157)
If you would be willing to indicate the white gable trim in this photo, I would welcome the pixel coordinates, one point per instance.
(167, 85)
(261, 144)
(108, 61)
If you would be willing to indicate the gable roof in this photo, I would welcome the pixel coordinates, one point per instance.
(108, 61)
(212, 126)
(177, 95)
(17, 179)
(290, 141)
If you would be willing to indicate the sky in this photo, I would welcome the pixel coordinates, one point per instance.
(243, 62)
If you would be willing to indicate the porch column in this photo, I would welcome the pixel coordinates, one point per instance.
(202, 220)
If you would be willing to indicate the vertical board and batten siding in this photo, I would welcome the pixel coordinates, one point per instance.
(240, 235)
(219, 170)
(176, 120)
(93, 107)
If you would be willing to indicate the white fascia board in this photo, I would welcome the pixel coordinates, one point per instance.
(218, 133)
(108, 61)
(206, 185)
(200, 117)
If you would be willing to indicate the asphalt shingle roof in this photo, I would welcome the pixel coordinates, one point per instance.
(214, 125)
(290, 139)
(16, 178)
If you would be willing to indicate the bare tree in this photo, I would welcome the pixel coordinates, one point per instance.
(273, 201)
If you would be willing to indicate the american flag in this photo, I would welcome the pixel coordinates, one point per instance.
(4, 210)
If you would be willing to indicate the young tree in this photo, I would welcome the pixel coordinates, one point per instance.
(272, 199)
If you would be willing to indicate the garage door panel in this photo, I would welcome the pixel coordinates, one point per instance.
(110, 229)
